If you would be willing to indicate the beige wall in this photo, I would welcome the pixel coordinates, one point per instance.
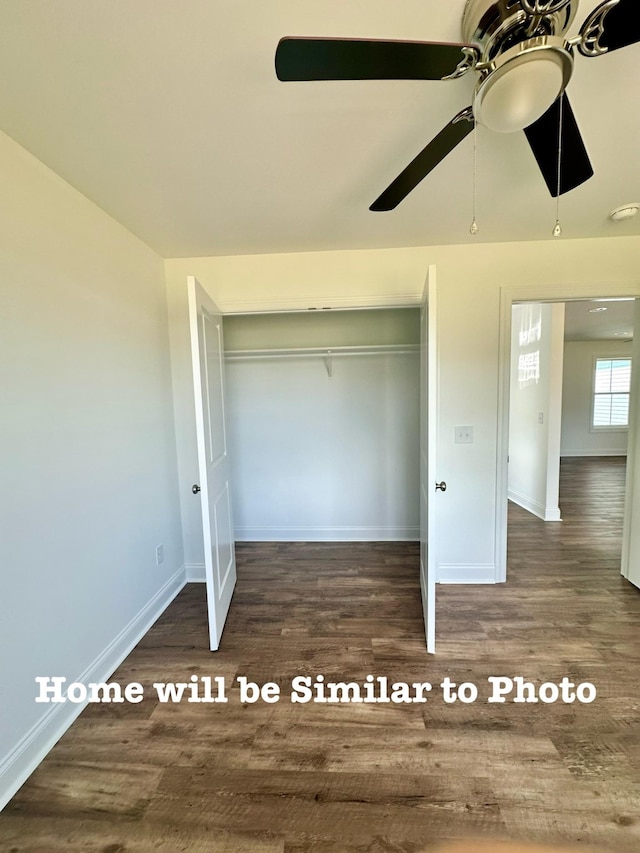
(470, 278)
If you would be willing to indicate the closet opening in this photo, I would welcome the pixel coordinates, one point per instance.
(323, 415)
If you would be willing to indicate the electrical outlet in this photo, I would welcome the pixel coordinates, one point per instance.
(159, 555)
(464, 435)
(540, 417)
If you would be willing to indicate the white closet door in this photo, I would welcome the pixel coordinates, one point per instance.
(631, 529)
(207, 352)
(429, 488)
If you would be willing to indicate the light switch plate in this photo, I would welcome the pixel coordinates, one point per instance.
(464, 435)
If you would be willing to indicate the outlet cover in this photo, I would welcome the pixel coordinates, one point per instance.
(159, 555)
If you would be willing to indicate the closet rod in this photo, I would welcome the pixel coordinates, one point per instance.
(321, 352)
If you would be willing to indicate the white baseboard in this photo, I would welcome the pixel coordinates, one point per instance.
(23, 759)
(327, 534)
(546, 513)
(453, 573)
(593, 452)
(195, 573)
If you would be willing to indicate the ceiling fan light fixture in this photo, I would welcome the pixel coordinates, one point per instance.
(526, 81)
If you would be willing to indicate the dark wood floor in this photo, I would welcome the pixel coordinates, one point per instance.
(371, 777)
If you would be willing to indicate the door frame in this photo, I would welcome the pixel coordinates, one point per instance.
(509, 295)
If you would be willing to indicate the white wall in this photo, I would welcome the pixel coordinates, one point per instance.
(631, 538)
(315, 457)
(470, 279)
(535, 402)
(304, 329)
(324, 450)
(88, 449)
(577, 437)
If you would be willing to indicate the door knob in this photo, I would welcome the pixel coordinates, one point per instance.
(195, 488)
(441, 486)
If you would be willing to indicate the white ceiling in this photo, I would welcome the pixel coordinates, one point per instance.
(583, 323)
(168, 115)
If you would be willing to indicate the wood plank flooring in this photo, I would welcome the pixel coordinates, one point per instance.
(291, 778)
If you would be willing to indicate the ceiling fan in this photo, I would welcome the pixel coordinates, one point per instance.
(523, 63)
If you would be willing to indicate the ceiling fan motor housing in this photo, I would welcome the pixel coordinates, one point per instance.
(525, 64)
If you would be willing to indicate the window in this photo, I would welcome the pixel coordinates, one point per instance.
(611, 386)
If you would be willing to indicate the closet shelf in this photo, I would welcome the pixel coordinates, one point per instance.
(321, 352)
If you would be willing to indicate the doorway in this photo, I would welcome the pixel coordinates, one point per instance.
(558, 409)
(549, 294)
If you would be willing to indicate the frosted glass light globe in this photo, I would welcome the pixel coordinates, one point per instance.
(527, 81)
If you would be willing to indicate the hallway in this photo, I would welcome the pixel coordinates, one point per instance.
(592, 507)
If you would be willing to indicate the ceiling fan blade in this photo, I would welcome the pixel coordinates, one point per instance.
(575, 166)
(366, 59)
(427, 159)
(612, 25)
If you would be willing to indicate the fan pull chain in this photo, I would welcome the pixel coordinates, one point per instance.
(473, 228)
(557, 231)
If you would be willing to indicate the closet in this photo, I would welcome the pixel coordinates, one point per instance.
(323, 420)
